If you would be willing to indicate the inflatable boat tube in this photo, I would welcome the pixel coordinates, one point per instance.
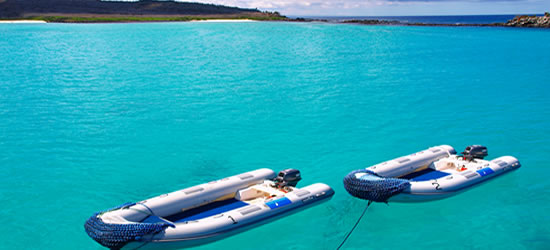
(431, 174)
(203, 213)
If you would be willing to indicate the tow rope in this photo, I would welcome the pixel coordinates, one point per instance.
(354, 226)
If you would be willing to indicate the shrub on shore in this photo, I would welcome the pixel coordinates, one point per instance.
(77, 19)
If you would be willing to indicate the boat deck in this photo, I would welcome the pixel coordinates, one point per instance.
(207, 210)
(424, 175)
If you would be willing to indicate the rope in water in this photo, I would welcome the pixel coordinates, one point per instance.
(354, 226)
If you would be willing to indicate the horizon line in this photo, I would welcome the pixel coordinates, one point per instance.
(410, 15)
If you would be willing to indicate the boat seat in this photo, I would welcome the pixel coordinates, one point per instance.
(443, 165)
(251, 193)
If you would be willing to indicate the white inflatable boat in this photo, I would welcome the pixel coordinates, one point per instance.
(431, 174)
(206, 212)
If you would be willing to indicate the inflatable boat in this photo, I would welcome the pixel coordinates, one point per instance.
(205, 213)
(431, 174)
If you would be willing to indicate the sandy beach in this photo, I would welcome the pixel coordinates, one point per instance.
(22, 21)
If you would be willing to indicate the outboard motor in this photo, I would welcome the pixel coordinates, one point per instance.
(474, 152)
(288, 177)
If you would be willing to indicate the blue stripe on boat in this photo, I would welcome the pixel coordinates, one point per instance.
(485, 171)
(278, 203)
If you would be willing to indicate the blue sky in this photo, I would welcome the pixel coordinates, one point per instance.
(391, 7)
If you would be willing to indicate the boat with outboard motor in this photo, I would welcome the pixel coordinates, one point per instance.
(206, 212)
(435, 173)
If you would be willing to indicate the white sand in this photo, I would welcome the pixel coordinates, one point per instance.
(22, 21)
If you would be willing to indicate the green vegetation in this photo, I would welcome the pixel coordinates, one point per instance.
(71, 11)
(77, 19)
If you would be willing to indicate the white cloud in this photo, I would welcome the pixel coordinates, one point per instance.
(298, 5)
(389, 7)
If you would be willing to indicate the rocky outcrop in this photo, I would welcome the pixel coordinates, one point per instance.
(530, 21)
(373, 22)
(519, 21)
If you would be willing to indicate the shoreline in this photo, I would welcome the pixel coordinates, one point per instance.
(139, 19)
(23, 21)
(517, 22)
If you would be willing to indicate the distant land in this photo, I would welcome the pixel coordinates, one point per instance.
(117, 11)
(525, 21)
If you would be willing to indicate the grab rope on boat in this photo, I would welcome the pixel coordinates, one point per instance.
(115, 236)
(367, 185)
(354, 226)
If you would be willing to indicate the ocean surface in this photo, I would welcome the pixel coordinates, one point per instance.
(95, 115)
(465, 19)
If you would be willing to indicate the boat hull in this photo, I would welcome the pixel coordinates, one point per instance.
(203, 213)
(432, 174)
(186, 242)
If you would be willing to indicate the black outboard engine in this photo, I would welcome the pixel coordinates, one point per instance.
(474, 152)
(288, 177)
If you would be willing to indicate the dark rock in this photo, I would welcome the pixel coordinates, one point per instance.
(530, 21)
(373, 22)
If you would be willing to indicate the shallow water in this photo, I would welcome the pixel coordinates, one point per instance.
(95, 115)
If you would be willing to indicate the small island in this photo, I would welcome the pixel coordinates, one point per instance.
(530, 21)
(84, 11)
(518, 21)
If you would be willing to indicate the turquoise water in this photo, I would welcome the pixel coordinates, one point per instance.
(95, 115)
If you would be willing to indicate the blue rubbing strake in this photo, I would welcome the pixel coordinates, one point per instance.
(485, 171)
(278, 203)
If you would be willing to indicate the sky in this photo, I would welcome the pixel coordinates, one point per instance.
(390, 7)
